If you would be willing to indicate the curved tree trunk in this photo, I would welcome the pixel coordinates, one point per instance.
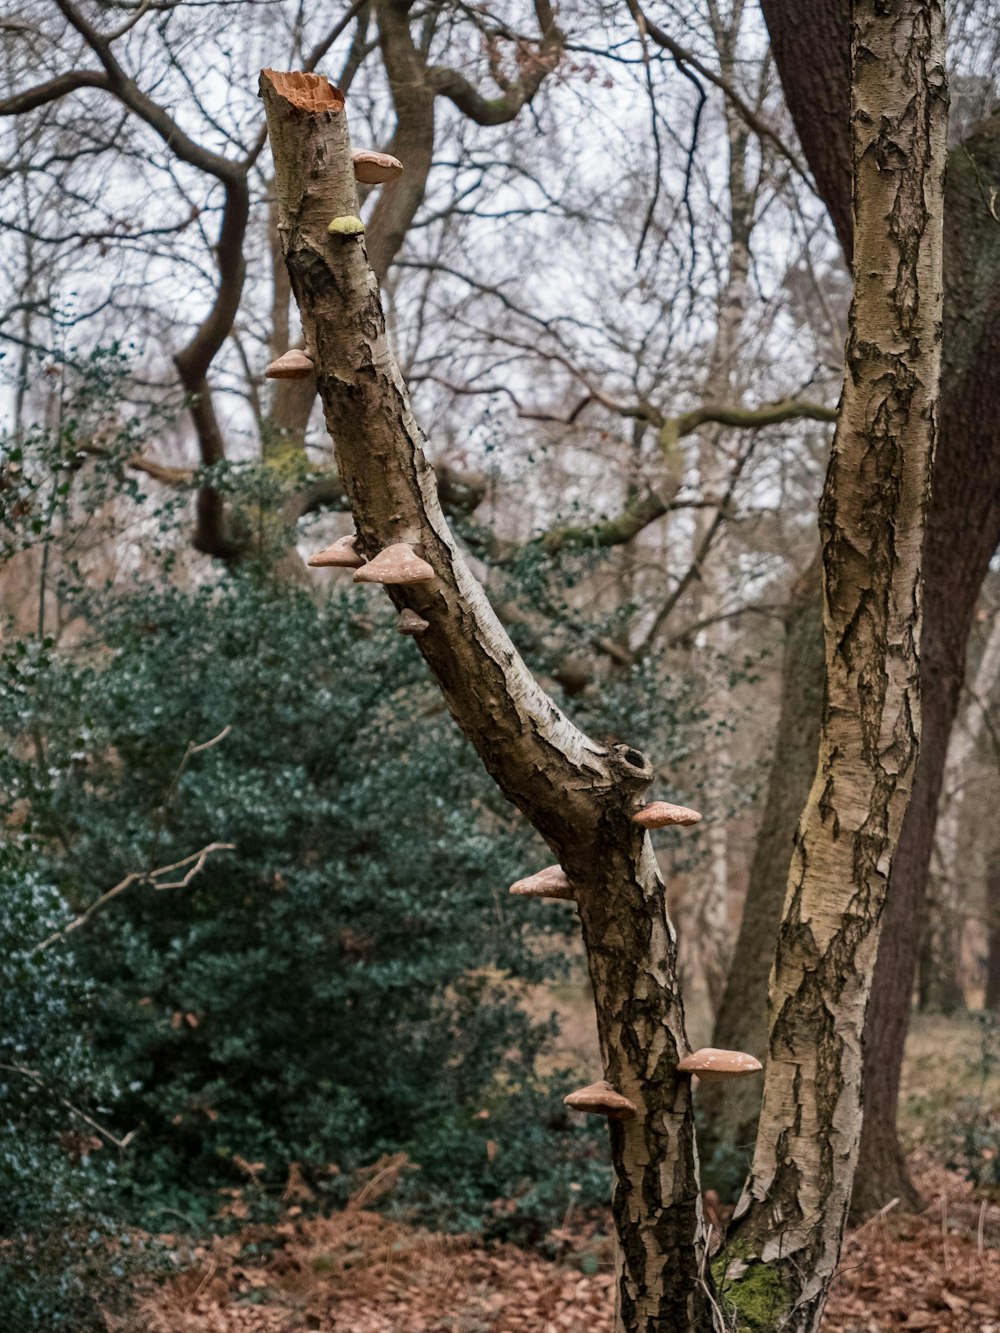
(785, 1246)
(578, 794)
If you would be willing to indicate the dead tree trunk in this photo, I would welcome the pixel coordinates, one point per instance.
(579, 795)
(791, 1217)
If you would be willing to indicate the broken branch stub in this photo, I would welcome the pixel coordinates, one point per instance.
(305, 92)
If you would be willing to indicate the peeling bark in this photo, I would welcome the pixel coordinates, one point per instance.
(790, 1219)
(811, 41)
(579, 794)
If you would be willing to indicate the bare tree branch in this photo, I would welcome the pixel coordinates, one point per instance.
(196, 862)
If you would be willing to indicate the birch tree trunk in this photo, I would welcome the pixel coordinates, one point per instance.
(791, 1216)
(579, 795)
(810, 40)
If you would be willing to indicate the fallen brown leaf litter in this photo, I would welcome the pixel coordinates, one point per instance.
(359, 1272)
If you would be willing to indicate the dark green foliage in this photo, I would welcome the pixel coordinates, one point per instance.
(341, 975)
(332, 984)
(56, 1171)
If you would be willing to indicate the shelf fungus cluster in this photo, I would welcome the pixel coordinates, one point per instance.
(398, 565)
(371, 168)
(293, 365)
(661, 814)
(552, 882)
(601, 1099)
(341, 555)
(716, 1066)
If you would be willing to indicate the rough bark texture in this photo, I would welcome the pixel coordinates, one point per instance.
(577, 793)
(790, 1220)
(963, 528)
(810, 40)
(728, 1111)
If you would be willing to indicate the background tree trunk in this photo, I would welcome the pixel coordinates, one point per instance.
(991, 999)
(728, 1112)
(940, 967)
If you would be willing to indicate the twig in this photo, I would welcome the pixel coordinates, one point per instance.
(192, 748)
(875, 1217)
(37, 1079)
(143, 877)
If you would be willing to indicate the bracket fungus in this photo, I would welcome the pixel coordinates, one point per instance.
(341, 555)
(294, 365)
(601, 1099)
(661, 814)
(396, 564)
(552, 882)
(348, 225)
(410, 623)
(715, 1066)
(371, 168)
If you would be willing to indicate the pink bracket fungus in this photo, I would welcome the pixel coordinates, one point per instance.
(341, 555)
(410, 623)
(601, 1099)
(398, 564)
(661, 814)
(552, 882)
(294, 365)
(714, 1066)
(372, 168)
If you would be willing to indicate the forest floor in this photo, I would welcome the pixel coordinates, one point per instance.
(362, 1272)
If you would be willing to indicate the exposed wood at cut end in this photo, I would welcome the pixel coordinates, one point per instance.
(308, 92)
(601, 1099)
(397, 564)
(341, 555)
(294, 365)
(714, 1066)
(372, 168)
(661, 814)
(410, 623)
(552, 882)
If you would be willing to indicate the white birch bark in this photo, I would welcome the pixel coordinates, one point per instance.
(791, 1217)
